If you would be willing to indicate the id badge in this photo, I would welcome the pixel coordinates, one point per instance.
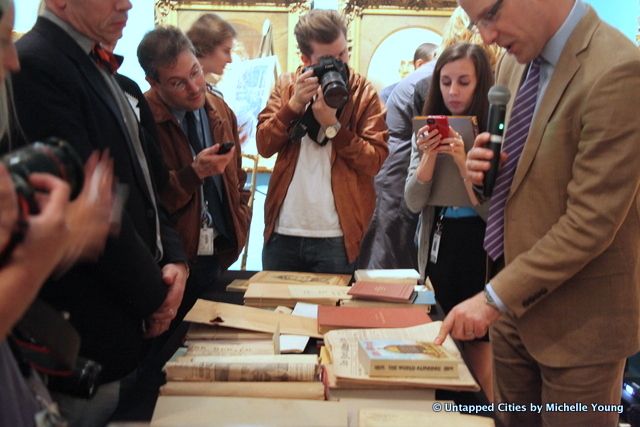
(205, 244)
(435, 246)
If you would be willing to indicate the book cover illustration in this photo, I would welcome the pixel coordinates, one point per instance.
(405, 358)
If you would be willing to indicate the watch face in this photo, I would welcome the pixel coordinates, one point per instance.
(331, 131)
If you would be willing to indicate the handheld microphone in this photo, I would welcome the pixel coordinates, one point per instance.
(498, 99)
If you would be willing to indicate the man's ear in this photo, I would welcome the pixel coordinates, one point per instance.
(152, 82)
(306, 61)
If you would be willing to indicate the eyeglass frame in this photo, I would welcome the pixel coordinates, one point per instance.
(181, 84)
(487, 19)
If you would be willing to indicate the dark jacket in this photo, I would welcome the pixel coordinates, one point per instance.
(60, 92)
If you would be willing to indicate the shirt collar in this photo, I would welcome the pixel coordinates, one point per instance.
(85, 43)
(553, 49)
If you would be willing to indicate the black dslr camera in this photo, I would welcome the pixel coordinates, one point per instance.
(53, 156)
(333, 76)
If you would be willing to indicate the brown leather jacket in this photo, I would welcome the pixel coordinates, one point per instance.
(359, 149)
(180, 196)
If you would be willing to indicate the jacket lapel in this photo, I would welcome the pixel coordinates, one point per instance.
(565, 70)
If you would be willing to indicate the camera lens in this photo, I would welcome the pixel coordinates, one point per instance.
(334, 89)
(53, 156)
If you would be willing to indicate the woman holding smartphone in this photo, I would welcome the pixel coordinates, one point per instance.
(450, 248)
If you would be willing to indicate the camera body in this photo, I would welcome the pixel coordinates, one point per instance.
(333, 76)
(54, 156)
(439, 122)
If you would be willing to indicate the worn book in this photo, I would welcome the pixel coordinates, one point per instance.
(396, 276)
(330, 318)
(385, 417)
(382, 291)
(250, 319)
(313, 390)
(299, 278)
(303, 367)
(447, 186)
(348, 372)
(406, 358)
(201, 332)
(271, 294)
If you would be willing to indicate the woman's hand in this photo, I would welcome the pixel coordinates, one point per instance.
(430, 143)
(454, 146)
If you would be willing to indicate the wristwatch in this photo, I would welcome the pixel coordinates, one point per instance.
(331, 131)
(489, 299)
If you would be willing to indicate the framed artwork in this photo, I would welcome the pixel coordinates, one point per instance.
(385, 39)
(251, 19)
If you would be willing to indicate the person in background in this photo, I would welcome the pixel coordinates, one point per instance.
(320, 196)
(563, 231)
(457, 30)
(450, 242)
(423, 54)
(132, 291)
(212, 37)
(205, 194)
(60, 234)
(390, 240)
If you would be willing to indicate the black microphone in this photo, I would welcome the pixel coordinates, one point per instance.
(498, 100)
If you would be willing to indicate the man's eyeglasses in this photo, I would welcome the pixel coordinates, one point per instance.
(181, 84)
(487, 19)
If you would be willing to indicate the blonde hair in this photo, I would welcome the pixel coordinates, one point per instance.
(457, 31)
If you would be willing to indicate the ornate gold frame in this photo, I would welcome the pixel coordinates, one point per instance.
(168, 12)
(364, 44)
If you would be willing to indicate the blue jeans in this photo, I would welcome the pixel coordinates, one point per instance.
(309, 254)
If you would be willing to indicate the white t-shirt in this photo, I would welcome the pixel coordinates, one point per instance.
(308, 209)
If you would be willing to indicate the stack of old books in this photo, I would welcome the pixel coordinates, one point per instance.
(234, 350)
(389, 288)
(270, 289)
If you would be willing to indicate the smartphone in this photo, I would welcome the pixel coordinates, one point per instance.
(225, 147)
(439, 122)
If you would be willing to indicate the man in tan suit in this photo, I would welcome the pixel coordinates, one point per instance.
(564, 310)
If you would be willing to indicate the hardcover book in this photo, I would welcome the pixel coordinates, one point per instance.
(330, 318)
(396, 276)
(381, 291)
(406, 358)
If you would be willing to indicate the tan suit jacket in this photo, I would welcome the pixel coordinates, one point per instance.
(572, 220)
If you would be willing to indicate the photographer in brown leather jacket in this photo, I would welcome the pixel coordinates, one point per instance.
(321, 195)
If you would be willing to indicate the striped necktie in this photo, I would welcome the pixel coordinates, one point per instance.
(105, 59)
(517, 133)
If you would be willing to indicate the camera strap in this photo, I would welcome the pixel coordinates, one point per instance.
(46, 340)
(308, 125)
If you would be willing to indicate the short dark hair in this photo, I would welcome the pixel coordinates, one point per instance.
(208, 32)
(320, 26)
(161, 47)
(434, 104)
(425, 52)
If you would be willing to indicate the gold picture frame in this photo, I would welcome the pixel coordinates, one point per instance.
(247, 18)
(372, 27)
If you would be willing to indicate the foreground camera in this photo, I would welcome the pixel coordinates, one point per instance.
(53, 156)
(333, 76)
